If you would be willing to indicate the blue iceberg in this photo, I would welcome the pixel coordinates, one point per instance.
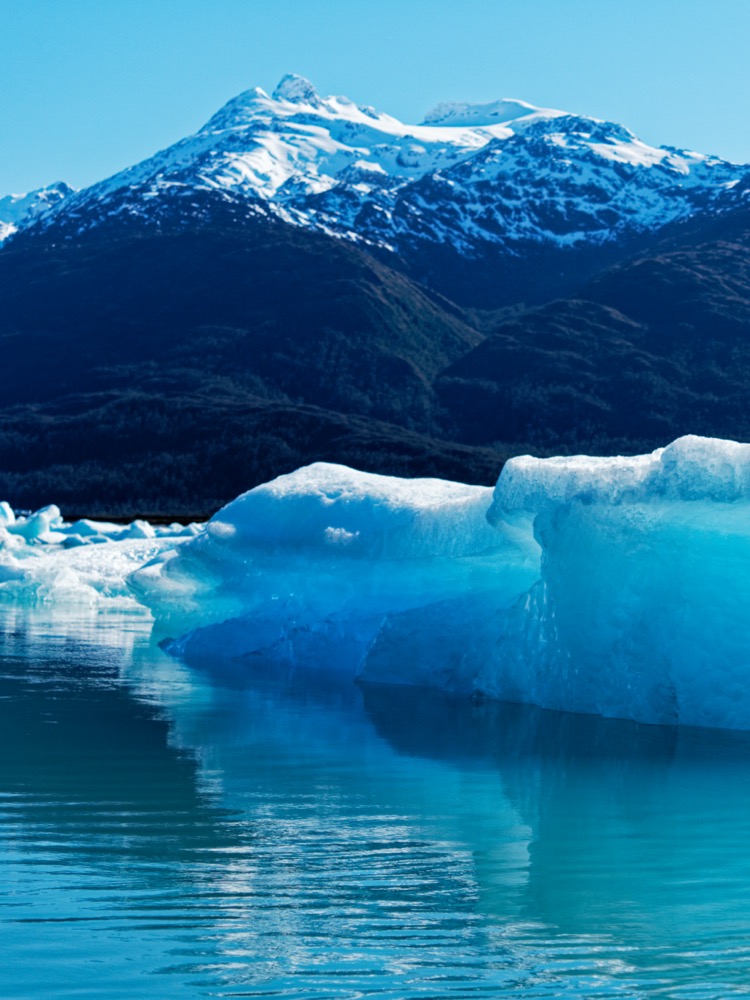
(642, 606)
(388, 579)
(614, 586)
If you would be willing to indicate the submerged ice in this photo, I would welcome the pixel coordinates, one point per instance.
(614, 586)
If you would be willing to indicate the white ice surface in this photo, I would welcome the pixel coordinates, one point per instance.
(46, 561)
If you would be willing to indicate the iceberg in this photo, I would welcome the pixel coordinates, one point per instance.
(642, 607)
(617, 587)
(387, 579)
(613, 586)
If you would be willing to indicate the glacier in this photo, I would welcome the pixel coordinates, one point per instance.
(610, 586)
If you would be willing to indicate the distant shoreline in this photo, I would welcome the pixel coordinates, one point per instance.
(155, 519)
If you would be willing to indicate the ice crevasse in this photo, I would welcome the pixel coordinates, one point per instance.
(616, 586)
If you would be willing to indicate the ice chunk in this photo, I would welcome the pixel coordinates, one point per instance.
(95, 530)
(37, 525)
(639, 606)
(642, 609)
(139, 529)
(330, 565)
(615, 586)
(45, 560)
(86, 528)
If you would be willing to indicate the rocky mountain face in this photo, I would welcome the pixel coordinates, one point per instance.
(655, 346)
(171, 366)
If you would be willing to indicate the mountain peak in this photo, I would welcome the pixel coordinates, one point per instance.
(295, 89)
(504, 173)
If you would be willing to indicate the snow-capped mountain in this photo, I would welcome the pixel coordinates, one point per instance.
(500, 176)
(18, 210)
(192, 327)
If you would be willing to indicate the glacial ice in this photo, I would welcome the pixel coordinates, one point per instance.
(47, 561)
(351, 571)
(642, 608)
(613, 586)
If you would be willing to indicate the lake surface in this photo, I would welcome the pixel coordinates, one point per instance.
(168, 832)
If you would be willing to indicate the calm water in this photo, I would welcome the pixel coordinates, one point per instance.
(175, 833)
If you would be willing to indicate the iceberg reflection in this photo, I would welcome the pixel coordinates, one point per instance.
(287, 832)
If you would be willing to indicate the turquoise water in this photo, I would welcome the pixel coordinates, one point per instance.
(168, 832)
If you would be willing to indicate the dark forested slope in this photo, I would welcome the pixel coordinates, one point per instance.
(173, 365)
(650, 349)
(168, 365)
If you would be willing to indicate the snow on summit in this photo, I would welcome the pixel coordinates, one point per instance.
(495, 113)
(500, 174)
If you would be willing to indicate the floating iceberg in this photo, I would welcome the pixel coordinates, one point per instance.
(642, 609)
(613, 586)
(385, 578)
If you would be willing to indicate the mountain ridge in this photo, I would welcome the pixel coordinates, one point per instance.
(491, 182)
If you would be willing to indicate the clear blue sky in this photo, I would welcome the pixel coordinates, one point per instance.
(91, 86)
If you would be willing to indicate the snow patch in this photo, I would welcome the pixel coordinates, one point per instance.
(455, 113)
(17, 210)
